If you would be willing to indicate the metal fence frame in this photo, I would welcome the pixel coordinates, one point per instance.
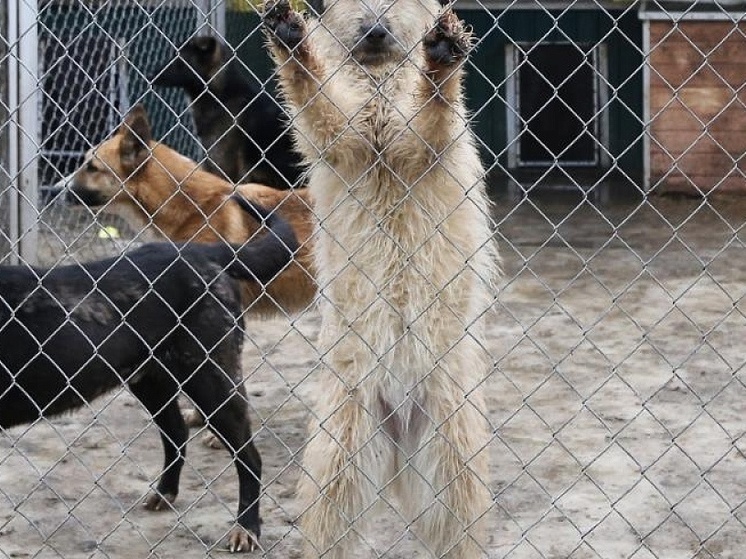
(22, 128)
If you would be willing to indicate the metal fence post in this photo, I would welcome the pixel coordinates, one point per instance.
(23, 139)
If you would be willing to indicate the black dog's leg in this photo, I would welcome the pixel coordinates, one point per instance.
(226, 413)
(158, 395)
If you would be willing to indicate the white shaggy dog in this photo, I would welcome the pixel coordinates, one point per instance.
(405, 262)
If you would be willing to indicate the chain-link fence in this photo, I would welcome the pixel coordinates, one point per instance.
(612, 141)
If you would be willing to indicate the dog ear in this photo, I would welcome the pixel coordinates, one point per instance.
(136, 136)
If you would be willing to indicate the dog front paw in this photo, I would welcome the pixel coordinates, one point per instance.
(448, 42)
(284, 26)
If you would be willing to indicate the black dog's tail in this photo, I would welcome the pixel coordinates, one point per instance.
(263, 258)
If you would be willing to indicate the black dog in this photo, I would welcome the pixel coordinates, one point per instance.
(242, 128)
(161, 319)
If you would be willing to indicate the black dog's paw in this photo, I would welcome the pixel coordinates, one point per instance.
(448, 42)
(193, 418)
(284, 25)
(159, 502)
(241, 540)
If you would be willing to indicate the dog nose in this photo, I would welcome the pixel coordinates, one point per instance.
(375, 33)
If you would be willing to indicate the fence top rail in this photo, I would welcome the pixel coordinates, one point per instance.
(534, 5)
(702, 10)
(109, 3)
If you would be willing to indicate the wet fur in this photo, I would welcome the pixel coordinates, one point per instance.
(241, 127)
(161, 319)
(166, 195)
(405, 256)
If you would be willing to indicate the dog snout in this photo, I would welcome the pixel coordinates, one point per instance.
(375, 34)
(171, 73)
(375, 42)
(165, 73)
(71, 197)
(65, 191)
(64, 182)
(80, 195)
(61, 191)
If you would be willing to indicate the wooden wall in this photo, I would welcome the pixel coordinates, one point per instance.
(697, 111)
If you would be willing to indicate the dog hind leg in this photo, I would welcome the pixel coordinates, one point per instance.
(444, 490)
(344, 464)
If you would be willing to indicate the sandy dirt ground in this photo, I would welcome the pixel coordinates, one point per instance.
(617, 400)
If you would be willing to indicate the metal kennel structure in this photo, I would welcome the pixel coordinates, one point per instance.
(612, 133)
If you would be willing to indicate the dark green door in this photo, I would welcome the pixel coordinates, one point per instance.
(557, 103)
(515, 125)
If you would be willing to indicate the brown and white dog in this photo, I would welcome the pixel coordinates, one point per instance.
(405, 260)
(157, 190)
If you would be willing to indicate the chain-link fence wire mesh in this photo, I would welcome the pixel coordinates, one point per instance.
(616, 391)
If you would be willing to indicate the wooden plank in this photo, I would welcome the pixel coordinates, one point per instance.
(705, 34)
(695, 164)
(676, 142)
(676, 182)
(682, 113)
(675, 119)
(724, 74)
(705, 102)
(679, 53)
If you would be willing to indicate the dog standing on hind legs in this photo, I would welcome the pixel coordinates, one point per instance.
(405, 261)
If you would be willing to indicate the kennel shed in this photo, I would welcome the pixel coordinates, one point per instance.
(556, 90)
(694, 100)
